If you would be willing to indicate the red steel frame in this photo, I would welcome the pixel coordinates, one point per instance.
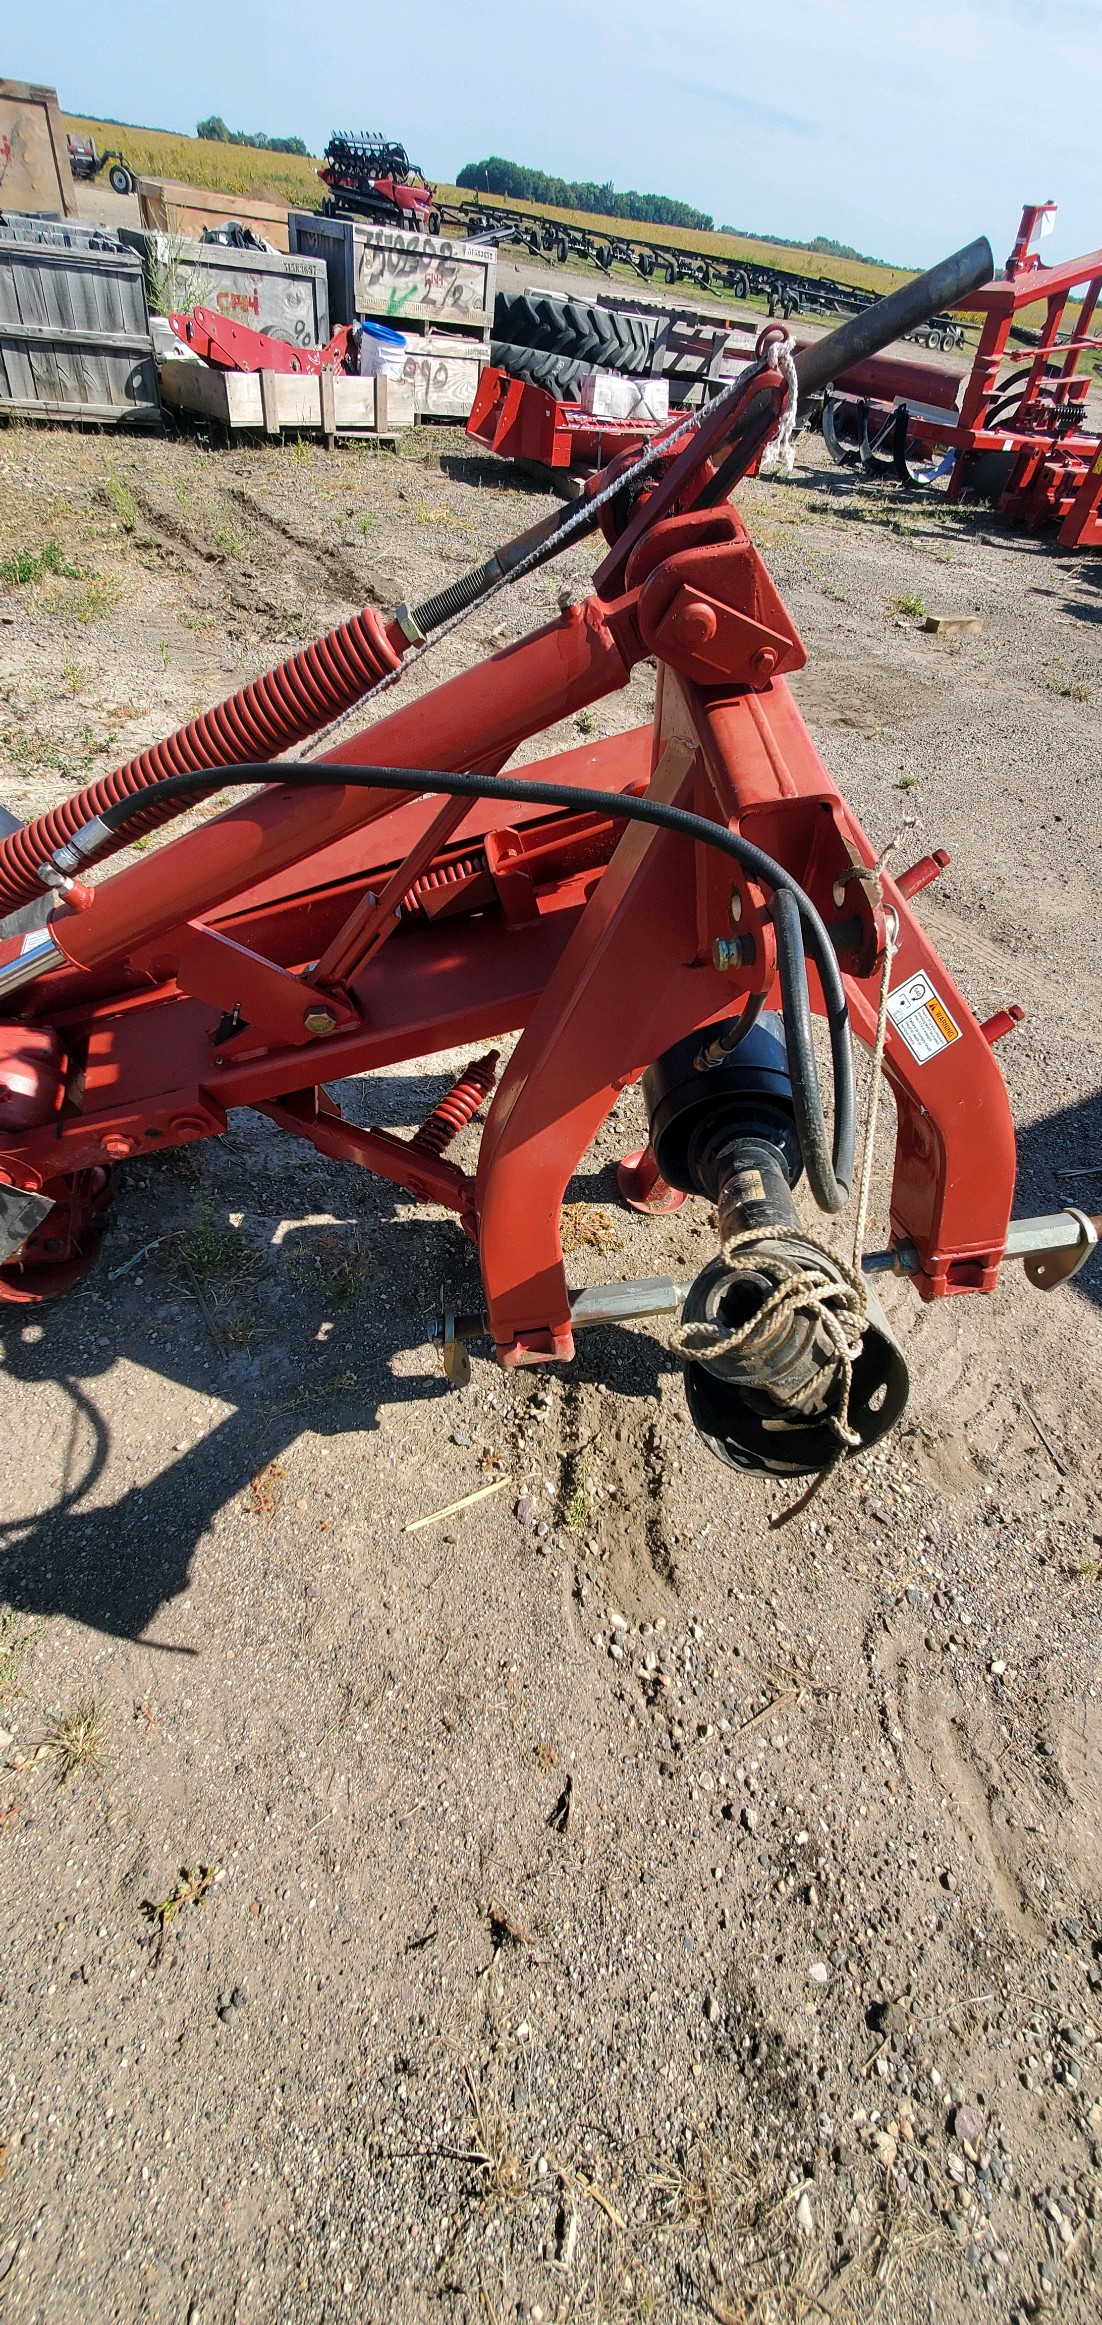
(261, 956)
(1057, 471)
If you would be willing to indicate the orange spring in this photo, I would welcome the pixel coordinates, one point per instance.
(256, 723)
(461, 1104)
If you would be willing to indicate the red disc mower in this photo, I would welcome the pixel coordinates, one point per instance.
(670, 904)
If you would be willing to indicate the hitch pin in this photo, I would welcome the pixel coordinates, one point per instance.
(1054, 1248)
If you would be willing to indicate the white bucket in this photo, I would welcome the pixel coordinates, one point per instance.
(382, 352)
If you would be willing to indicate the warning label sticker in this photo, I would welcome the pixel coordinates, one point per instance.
(921, 1018)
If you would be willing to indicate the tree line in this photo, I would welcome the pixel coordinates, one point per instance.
(497, 176)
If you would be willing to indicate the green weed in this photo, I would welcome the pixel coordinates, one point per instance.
(230, 543)
(912, 607)
(122, 500)
(74, 676)
(208, 1248)
(27, 565)
(94, 600)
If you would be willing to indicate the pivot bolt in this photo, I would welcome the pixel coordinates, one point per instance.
(695, 625)
(118, 1146)
(763, 663)
(318, 1021)
(732, 952)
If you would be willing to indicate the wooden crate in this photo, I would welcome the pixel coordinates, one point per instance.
(74, 332)
(272, 401)
(288, 298)
(444, 373)
(34, 156)
(177, 209)
(399, 278)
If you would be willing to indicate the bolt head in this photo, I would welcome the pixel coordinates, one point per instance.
(319, 1021)
(736, 906)
(695, 625)
(118, 1146)
(763, 663)
(722, 951)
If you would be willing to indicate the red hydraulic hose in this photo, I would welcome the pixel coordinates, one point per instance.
(262, 719)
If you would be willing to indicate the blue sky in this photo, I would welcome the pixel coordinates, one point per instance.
(902, 130)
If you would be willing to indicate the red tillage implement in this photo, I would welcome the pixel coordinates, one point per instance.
(1021, 439)
(630, 907)
(237, 347)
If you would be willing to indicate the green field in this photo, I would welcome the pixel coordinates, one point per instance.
(292, 178)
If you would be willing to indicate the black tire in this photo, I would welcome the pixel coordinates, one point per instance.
(577, 329)
(670, 274)
(562, 251)
(121, 180)
(556, 374)
(738, 283)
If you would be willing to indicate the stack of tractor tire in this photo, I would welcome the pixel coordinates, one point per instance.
(554, 342)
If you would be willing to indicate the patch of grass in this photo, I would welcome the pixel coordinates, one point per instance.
(76, 1741)
(366, 521)
(912, 607)
(74, 676)
(118, 495)
(208, 1248)
(230, 543)
(95, 599)
(14, 1644)
(445, 517)
(343, 1286)
(27, 565)
(1072, 689)
(302, 451)
(585, 723)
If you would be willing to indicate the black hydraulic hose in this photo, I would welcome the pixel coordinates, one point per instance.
(806, 1099)
(834, 1174)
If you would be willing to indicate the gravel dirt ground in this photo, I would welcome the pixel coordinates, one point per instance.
(599, 1906)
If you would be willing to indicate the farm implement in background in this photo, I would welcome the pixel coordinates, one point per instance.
(785, 292)
(86, 162)
(1021, 439)
(369, 176)
(669, 904)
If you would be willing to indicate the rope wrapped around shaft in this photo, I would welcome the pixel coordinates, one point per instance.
(831, 1297)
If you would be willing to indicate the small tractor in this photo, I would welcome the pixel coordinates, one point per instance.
(668, 906)
(86, 162)
(369, 176)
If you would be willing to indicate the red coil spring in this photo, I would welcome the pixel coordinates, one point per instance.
(258, 722)
(446, 875)
(461, 1104)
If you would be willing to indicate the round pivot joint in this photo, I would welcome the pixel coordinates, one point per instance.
(642, 1185)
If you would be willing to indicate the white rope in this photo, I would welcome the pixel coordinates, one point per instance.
(780, 452)
(778, 356)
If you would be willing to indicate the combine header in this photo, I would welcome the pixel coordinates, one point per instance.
(668, 904)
